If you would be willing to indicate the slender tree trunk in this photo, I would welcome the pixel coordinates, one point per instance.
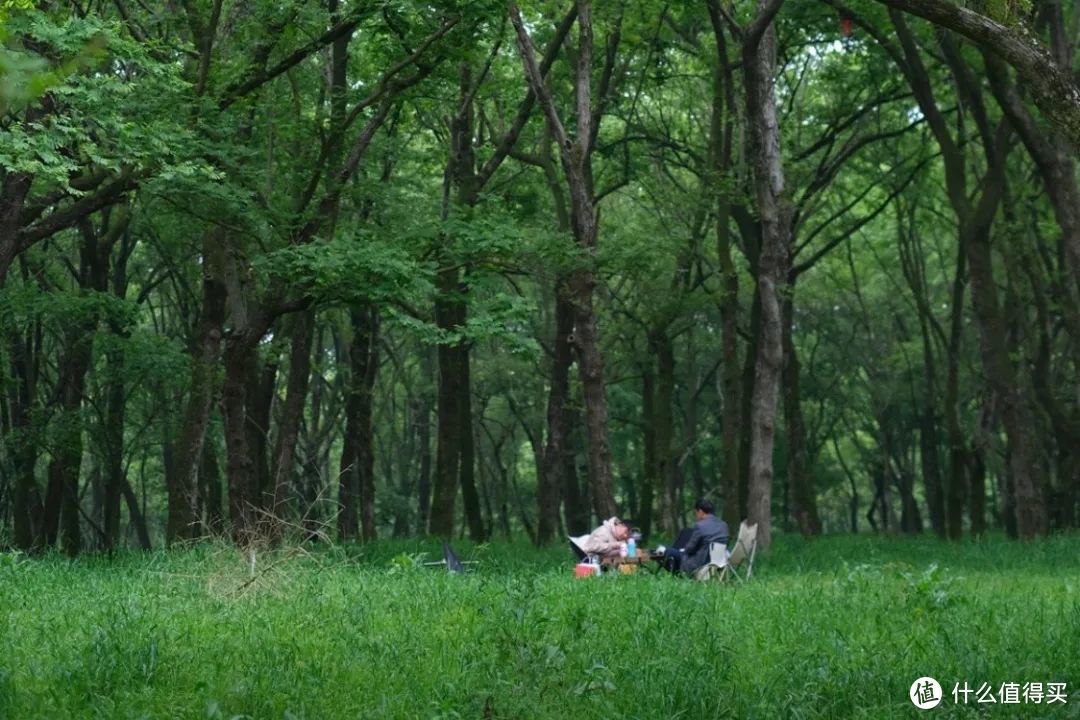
(138, 519)
(911, 254)
(423, 482)
(348, 520)
(27, 506)
(448, 433)
(365, 367)
(550, 489)
(721, 133)
(575, 156)
(296, 392)
(730, 387)
(650, 475)
(260, 401)
(64, 468)
(956, 488)
(239, 464)
(663, 472)
(803, 500)
(181, 481)
(552, 485)
(470, 498)
(575, 502)
(591, 372)
(1012, 404)
(114, 447)
(357, 489)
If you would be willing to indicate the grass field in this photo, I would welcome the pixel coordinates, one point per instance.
(839, 627)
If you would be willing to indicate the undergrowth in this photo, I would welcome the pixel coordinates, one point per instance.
(837, 627)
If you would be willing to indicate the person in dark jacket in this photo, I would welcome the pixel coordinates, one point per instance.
(708, 529)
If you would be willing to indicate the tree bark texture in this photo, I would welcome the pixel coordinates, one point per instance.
(759, 64)
(1053, 87)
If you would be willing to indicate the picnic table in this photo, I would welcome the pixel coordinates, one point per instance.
(627, 565)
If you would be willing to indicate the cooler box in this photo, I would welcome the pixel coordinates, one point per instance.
(582, 570)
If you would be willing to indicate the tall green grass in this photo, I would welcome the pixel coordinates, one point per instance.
(838, 627)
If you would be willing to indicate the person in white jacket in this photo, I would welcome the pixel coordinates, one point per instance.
(607, 540)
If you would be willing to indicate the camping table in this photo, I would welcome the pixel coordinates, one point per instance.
(627, 565)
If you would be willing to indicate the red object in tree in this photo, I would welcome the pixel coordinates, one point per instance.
(846, 25)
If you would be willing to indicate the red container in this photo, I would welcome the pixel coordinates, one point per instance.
(583, 570)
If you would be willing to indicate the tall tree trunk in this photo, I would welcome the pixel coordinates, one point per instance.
(423, 481)
(721, 134)
(912, 262)
(1012, 403)
(730, 387)
(576, 161)
(956, 487)
(356, 493)
(474, 518)
(240, 365)
(591, 372)
(296, 392)
(114, 446)
(448, 411)
(365, 367)
(575, 501)
(759, 65)
(67, 459)
(803, 501)
(451, 310)
(138, 519)
(260, 400)
(551, 488)
(552, 485)
(650, 476)
(26, 501)
(660, 346)
(181, 480)
(746, 395)
(71, 381)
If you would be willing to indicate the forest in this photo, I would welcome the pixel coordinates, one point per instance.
(343, 270)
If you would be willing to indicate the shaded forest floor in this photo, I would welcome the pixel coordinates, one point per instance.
(838, 627)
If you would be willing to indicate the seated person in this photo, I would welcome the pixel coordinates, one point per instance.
(608, 540)
(691, 549)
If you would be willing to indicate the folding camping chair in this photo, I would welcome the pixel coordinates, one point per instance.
(718, 560)
(743, 552)
(575, 546)
(453, 564)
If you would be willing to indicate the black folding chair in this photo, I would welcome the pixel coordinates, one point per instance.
(454, 565)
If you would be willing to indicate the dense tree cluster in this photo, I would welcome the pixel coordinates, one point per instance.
(318, 268)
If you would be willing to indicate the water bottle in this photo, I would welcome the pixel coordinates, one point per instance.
(631, 548)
